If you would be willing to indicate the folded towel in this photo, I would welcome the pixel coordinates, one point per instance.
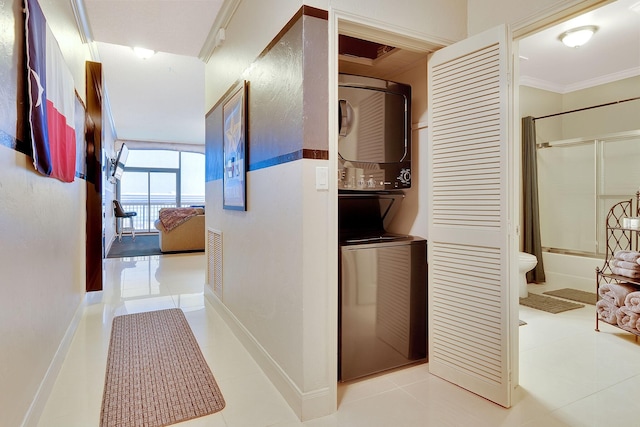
(629, 256)
(606, 310)
(632, 301)
(627, 319)
(615, 292)
(632, 274)
(625, 264)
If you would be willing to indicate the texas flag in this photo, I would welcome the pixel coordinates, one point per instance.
(51, 91)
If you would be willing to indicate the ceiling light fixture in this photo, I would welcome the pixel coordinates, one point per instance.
(143, 53)
(577, 37)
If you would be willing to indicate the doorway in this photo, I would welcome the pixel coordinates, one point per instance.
(582, 155)
(146, 191)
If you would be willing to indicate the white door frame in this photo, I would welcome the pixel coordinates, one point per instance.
(362, 27)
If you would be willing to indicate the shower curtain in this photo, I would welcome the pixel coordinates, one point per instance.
(531, 225)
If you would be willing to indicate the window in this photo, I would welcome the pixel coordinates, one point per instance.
(155, 179)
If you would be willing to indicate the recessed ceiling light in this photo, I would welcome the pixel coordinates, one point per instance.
(143, 53)
(577, 37)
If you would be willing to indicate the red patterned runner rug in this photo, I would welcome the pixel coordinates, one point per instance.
(156, 374)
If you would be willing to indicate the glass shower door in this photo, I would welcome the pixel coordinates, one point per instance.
(579, 180)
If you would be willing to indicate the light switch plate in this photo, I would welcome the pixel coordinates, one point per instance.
(322, 178)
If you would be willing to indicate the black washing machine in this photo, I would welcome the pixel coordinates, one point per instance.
(383, 289)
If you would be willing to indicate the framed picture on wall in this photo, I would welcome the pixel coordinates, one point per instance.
(234, 113)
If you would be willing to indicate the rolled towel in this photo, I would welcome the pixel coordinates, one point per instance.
(616, 292)
(632, 274)
(607, 311)
(627, 319)
(625, 264)
(629, 256)
(632, 301)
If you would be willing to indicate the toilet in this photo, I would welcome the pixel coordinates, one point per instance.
(526, 262)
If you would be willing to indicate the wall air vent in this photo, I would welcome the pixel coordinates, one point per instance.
(214, 261)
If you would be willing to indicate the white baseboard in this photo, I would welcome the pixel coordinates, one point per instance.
(306, 405)
(36, 408)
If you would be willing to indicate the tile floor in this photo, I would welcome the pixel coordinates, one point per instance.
(570, 374)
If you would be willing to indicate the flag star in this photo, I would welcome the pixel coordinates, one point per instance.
(40, 88)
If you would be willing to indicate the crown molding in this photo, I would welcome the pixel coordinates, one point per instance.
(585, 84)
(225, 14)
(601, 80)
(382, 32)
(84, 28)
(80, 14)
(541, 84)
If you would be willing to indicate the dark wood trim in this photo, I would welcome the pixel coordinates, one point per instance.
(308, 153)
(305, 153)
(315, 12)
(303, 11)
(93, 136)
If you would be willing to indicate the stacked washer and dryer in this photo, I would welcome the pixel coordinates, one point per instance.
(383, 275)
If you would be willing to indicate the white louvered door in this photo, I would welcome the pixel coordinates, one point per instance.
(469, 329)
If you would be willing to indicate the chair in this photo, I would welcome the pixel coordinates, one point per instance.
(120, 214)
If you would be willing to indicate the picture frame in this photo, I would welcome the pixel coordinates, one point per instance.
(234, 114)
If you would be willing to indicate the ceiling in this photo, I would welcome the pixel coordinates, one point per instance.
(612, 54)
(171, 26)
(161, 99)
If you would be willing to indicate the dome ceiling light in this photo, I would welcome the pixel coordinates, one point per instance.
(577, 37)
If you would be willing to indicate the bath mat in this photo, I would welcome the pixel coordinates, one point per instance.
(574, 295)
(156, 374)
(548, 304)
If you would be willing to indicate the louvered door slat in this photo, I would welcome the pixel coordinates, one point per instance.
(467, 222)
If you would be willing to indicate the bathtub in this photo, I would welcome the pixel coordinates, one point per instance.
(571, 271)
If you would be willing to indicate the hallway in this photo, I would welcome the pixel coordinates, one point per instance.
(570, 375)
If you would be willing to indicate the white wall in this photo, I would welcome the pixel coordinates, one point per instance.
(256, 23)
(42, 262)
(42, 241)
(109, 193)
(537, 102)
(584, 124)
(275, 254)
(283, 301)
(601, 121)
